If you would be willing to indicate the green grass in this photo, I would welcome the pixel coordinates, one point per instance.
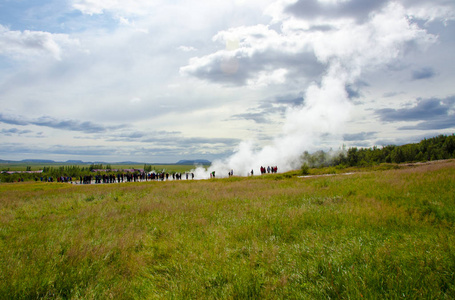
(377, 235)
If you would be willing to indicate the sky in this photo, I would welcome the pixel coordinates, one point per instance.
(235, 81)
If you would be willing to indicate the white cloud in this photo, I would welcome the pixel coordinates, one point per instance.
(372, 43)
(187, 48)
(135, 100)
(23, 44)
(348, 42)
(126, 7)
(333, 2)
(432, 11)
(266, 78)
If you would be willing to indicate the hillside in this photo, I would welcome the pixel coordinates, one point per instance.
(194, 162)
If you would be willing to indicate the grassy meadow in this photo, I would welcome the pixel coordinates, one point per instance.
(381, 234)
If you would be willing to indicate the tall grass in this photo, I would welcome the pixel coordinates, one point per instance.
(381, 234)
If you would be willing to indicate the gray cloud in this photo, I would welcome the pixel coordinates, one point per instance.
(258, 117)
(391, 94)
(432, 109)
(13, 120)
(353, 92)
(262, 114)
(182, 143)
(407, 139)
(139, 135)
(423, 73)
(442, 123)
(290, 100)
(312, 9)
(245, 67)
(10, 132)
(107, 153)
(56, 150)
(169, 139)
(70, 125)
(359, 136)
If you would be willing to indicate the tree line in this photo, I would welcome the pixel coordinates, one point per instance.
(436, 148)
(73, 171)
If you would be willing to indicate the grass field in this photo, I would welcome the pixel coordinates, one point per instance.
(381, 234)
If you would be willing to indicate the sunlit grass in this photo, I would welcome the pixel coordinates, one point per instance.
(381, 234)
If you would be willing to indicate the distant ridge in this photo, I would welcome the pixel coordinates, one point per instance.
(75, 161)
(46, 161)
(127, 163)
(194, 162)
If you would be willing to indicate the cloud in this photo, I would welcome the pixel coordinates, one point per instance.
(15, 131)
(352, 91)
(168, 139)
(361, 136)
(423, 73)
(130, 7)
(430, 110)
(445, 122)
(391, 94)
(191, 149)
(261, 57)
(256, 117)
(187, 48)
(13, 120)
(57, 150)
(300, 53)
(267, 110)
(407, 139)
(24, 44)
(431, 11)
(360, 10)
(70, 125)
(314, 9)
(183, 142)
(289, 100)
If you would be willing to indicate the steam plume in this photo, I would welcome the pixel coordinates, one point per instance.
(346, 50)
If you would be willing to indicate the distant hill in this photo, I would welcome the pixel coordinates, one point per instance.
(41, 161)
(194, 162)
(75, 161)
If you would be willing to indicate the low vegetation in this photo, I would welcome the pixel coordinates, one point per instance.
(75, 171)
(436, 148)
(382, 234)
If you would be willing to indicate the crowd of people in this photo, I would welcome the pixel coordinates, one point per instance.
(103, 176)
(143, 176)
(269, 169)
(132, 177)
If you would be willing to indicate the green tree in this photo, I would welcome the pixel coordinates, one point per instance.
(147, 168)
(397, 155)
(353, 157)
